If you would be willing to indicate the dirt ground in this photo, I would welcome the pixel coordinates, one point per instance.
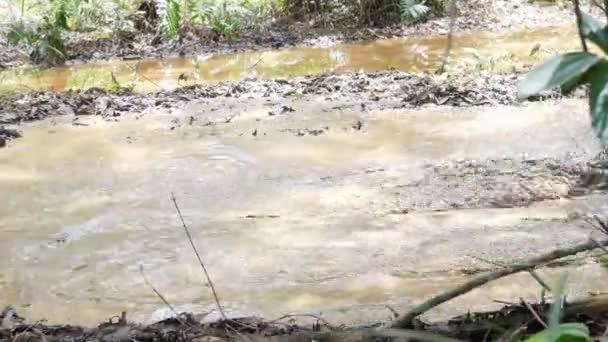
(368, 91)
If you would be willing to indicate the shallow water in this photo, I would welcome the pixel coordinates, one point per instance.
(284, 223)
(490, 51)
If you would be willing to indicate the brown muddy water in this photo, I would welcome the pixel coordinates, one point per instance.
(286, 223)
(488, 51)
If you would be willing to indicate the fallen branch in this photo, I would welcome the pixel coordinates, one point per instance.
(534, 275)
(594, 304)
(405, 320)
(200, 260)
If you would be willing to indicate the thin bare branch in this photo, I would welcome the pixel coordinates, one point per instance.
(200, 260)
(534, 275)
(534, 313)
(135, 70)
(160, 295)
(603, 8)
(599, 245)
(406, 319)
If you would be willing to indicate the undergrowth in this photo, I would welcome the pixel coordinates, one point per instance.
(42, 28)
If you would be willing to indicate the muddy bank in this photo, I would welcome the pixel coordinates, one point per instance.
(479, 15)
(381, 90)
(518, 320)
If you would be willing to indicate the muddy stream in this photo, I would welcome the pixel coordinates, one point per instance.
(495, 51)
(328, 209)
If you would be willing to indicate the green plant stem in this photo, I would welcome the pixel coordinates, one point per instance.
(579, 24)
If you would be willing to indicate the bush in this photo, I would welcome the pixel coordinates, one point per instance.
(43, 40)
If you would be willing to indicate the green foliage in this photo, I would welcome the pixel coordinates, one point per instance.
(413, 11)
(170, 15)
(566, 332)
(229, 17)
(44, 40)
(574, 69)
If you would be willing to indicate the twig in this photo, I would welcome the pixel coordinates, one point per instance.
(406, 319)
(136, 71)
(238, 333)
(534, 313)
(603, 8)
(392, 310)
(579, 24)
(159, 295)
(599, 245)
(256, 63)
(448, 45)
(534, 275)
(200, 260)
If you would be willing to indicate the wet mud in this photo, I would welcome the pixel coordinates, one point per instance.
(366, 91)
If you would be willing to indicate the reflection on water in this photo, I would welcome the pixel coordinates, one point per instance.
(409, 54)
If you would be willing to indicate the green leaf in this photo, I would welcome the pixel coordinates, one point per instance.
(603, 260)
(557, 71)
(61, 16)
(567, 332)
(595, 31)
(598, 99)
(569, 86)
(18, 32)
(170, 16)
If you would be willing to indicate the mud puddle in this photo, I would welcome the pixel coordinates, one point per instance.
(488, 51)
(339, 221)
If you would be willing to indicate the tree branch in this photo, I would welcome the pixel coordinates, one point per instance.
(405, 320)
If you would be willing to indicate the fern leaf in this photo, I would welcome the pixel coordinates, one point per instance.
(169, 12)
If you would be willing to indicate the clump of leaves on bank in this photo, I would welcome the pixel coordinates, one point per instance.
(572, 70)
